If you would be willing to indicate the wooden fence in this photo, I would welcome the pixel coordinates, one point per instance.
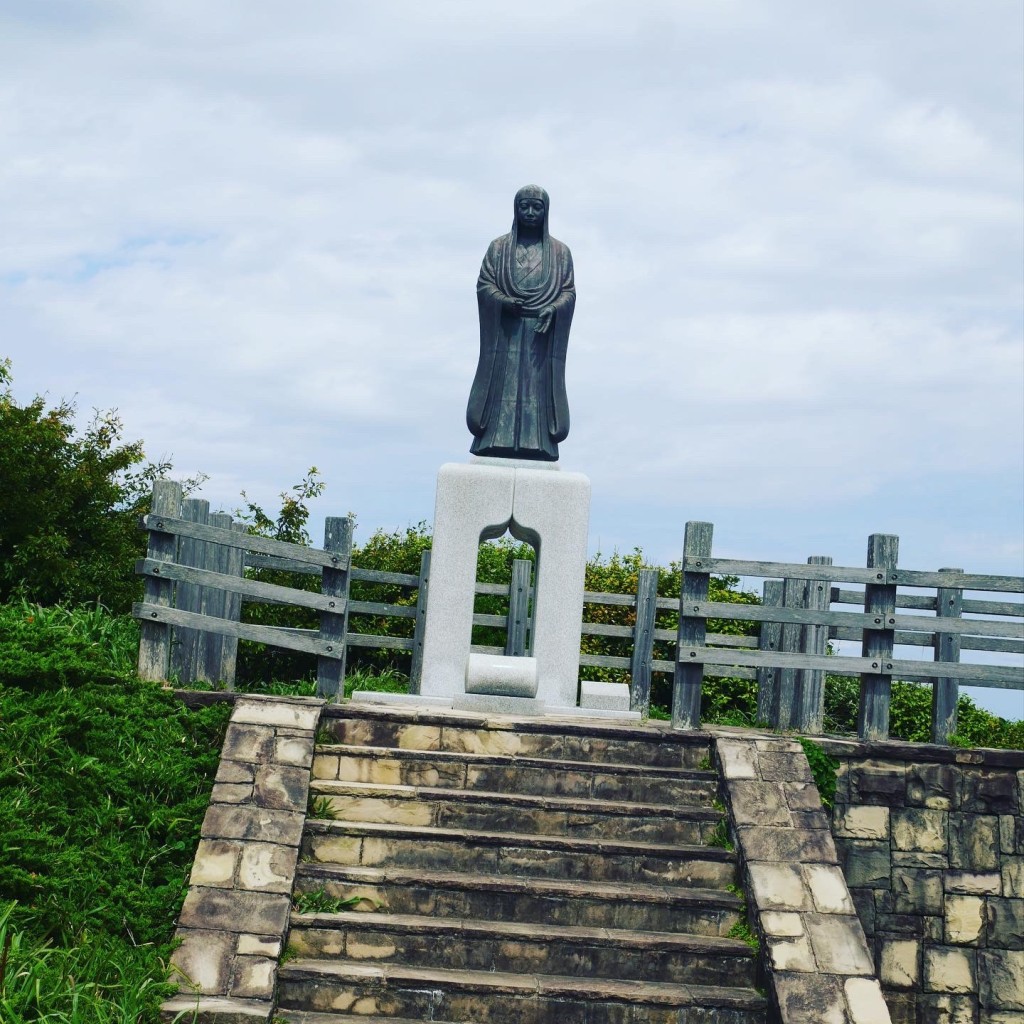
(797, 621)
(195, 585)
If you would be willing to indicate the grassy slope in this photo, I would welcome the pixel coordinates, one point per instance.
(103, 784)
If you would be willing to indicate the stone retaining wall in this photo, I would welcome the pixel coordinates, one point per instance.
(931, 840)
(234, 919)
(816, 957)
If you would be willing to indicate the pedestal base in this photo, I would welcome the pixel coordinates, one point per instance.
(541, 505)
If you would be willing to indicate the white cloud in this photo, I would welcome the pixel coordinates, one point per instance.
(255, 228)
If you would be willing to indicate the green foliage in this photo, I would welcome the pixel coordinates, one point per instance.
(104, 780)
(824, 769)
(910, 716)
(320, 901)
(69, 504)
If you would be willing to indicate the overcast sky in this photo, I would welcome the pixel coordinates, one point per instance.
(255, 228)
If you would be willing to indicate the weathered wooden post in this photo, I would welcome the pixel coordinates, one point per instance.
(186, 643)
(330, 671)
(214, 601)
(518, 608)
(643, 641)
(770, 639)
(949, 603)
(234, 565)
(880, 604)
(422, 593)
(809, 697)
(155, 640)
(793, 596)
(689, 673)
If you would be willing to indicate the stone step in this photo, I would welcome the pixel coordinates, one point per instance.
(555, 739)
(367, 844)
(513, 812)
(492, 897)
(315, 1017)
(490, 996)
(501, 773)
(419, 941)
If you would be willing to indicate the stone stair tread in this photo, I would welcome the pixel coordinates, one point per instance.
(681, 942)
(532, 840)
(578, 805)
(514, 760)
(318, 1017)
(536, 885)
(652, 731)
(552, 986)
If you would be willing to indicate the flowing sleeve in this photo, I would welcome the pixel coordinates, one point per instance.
(488, 297)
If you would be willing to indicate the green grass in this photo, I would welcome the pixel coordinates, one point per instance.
(103, 784)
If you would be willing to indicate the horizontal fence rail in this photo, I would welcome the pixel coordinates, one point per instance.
(195, 584)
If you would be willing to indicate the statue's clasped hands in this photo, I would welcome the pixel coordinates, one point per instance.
(544, 318)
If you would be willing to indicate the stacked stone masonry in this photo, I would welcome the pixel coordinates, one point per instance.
(234, 919)
(931, 840)
(815, 948)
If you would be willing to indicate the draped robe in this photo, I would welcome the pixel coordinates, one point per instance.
(517, 406)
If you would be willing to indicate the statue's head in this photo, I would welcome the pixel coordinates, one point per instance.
(531, 206)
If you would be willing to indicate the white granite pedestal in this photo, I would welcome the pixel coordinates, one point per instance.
(547, 508)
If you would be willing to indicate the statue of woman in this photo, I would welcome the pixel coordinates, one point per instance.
(526, 296)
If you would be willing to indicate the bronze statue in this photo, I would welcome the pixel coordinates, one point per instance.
(526, 296)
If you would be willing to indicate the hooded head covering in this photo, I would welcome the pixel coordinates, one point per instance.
(546, 291)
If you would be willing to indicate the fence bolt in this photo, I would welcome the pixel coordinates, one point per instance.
(874, 664)
(152, 615)
(877, 621)
(329, 647)
(330, 604)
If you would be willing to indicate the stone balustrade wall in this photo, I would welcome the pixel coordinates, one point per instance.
(931, 841)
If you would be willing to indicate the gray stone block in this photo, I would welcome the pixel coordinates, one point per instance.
(261, 913)
(601, 696)
(491, 705)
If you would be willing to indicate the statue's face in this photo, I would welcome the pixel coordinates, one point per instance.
(530, 211)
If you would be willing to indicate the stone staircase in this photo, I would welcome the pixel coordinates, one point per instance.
(514, 870)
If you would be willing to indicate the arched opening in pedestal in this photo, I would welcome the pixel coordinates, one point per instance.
(503, 605)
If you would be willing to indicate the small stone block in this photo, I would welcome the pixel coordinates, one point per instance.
(294, 750)
(604, 696)
(778, 887)
(901, 963)
(828, 889)
(863, 823)
(281, 787)
(949, 970)
(975, 883)
(259, 945)
(288, 714)
(486, 704)
(964, 919)
(1013, 877)
(805, 998)
(252, 744)
(791, 953)
(1000, 972)
(781, 923)
(267, 867)
(253, 977)
(919, 829)
(215, 863)
(235, 771)
(202, 960)
(230, 793)
(839, 944)
(738, 757)
(864, 1001)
